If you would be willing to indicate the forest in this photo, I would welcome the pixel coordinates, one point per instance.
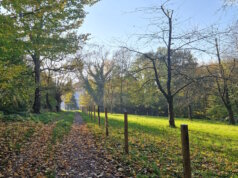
(52, 79)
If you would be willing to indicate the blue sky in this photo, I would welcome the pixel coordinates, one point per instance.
(112, 20)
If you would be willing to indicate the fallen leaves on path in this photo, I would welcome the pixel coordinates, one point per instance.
(33, 155)
(78, 156)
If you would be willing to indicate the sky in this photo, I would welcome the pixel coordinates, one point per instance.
(110, 21)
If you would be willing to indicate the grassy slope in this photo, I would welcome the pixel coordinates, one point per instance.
(153, 145)
(63, 126)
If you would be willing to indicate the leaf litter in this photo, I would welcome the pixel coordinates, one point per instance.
(77, 155)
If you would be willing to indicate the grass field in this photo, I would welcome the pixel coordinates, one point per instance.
(155, 148)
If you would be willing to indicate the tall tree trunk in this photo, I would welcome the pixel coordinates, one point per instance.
(169, 66)
(121, 96)
(190, 116)
(58, 108)
(171, 112)
(58, 101)
(229, 108)
(48, 102)
(48, 105)
(231, 115)
(225, 97)
(37, 101)
(100, 96)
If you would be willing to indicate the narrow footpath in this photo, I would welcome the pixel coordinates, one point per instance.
(81, 156)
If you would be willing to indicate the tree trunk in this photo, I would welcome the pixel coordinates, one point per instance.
(37, 101)
(229, 108)
(58, 101)
(58, 108)
(226, 99)
(190, 116)
(231, 115)
(48, 102)
(121, 96)
(48, 105)
(171, 112)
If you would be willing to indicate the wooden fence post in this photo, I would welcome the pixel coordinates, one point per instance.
(106, 122)
(186, 152)
(99, 120)
(126, 147)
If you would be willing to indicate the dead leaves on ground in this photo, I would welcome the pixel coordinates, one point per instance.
(76, 156)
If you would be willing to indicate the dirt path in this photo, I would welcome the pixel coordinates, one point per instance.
(81, 156)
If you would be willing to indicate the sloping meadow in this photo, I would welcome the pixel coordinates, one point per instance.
(155, 148)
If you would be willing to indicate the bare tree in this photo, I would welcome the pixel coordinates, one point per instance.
(173, 42)
(63, 84)
(222, 78)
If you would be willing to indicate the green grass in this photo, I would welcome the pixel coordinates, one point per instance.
(155, 148)
(45, 117)
(62, 127)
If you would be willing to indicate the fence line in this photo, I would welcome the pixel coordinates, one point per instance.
(187, 173)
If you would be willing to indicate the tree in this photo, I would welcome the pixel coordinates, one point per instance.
(48, 28)
(94, 72)
(142, 93)
(85, 100)
(230, 3)
(172, 42)
(122, 60)
(70, 101)
(62, 86)
(16, 82)
(16, 88)
(48, 90)
(222, 76)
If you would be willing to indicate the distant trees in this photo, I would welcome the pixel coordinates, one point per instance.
(122, 62)
(39, 45)
(222, 73)
(70, 101)
(172, 62)
(96, 71)
(166, 81)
